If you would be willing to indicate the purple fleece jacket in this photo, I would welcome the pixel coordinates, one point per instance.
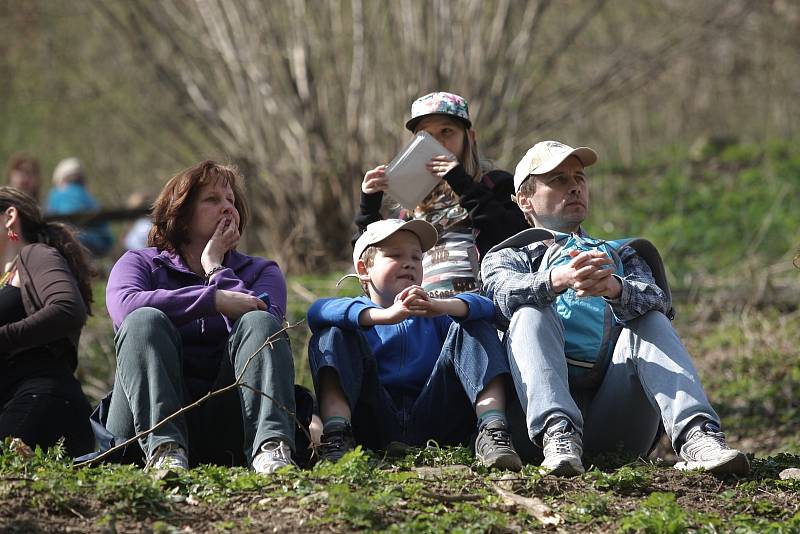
(162, 280)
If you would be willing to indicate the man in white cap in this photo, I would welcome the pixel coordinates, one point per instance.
(553, 293)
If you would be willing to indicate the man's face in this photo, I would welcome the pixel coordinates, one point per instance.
(396, 266)
(560, 200)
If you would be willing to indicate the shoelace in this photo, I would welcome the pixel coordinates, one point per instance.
(333, 441)
(166, 456)
(715, 438)
(561, 441)
(499, 437)
(275, 451)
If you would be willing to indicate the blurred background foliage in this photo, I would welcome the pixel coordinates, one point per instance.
(692, 106)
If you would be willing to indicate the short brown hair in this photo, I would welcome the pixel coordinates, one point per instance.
(173, 209)
(527, 188)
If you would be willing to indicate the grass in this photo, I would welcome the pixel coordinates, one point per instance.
(415, 493)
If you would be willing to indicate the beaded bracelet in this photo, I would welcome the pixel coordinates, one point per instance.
(214, 270)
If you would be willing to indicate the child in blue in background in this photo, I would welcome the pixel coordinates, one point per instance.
(399, 365)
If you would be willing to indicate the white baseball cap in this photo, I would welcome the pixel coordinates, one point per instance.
(66, 168)
(380, 230)
(545, 156)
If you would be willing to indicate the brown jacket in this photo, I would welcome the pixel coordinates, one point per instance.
(53, 304)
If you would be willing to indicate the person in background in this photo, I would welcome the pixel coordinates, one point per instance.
(136, 236)
(45, 296)
(644, 376)
(189, 311)
(471, 208)
(24, 174)
(69, 195)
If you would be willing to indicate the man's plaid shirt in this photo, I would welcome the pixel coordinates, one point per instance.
(511, 279)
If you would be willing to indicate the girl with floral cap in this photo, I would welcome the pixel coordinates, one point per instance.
(471, 207)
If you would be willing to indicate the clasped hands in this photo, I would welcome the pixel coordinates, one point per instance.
(589, 273)
(414, 301)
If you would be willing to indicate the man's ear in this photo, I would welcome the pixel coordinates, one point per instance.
(361, 269)
(524, 203)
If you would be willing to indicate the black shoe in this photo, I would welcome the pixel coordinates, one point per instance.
(493, 447)
(337, 442)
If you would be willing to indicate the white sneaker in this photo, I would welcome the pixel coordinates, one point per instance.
(705, 448)
(272, 455)
(563, 448)
(168, 457)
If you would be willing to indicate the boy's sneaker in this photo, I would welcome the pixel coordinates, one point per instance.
(337, 442)
(272, 455)
(705, 448)
(168, 457)
(493, 447)
(563, 448)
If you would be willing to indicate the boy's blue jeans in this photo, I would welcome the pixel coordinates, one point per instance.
(444, 410)
(226, 429)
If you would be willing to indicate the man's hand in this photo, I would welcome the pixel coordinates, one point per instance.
(225, 238)
(589, 273)
(233, 305)
(375, 181)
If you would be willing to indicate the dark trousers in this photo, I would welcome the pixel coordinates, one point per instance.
(42, 409)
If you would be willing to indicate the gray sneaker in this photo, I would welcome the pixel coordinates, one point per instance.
(494, 449)
(563, 448)
(272, 455)
(705, 448)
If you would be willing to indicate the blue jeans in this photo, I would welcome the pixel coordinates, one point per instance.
(651, 378)
(227, 429)
(444, 410)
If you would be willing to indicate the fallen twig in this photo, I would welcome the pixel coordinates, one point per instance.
(543, 513)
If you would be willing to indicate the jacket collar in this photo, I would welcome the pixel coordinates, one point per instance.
(171, 260)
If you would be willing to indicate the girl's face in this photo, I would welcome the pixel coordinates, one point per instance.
(449, 132)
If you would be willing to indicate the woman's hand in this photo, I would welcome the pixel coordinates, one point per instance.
(441, 165)
(233, 305)
(375, 181)
(226, 237)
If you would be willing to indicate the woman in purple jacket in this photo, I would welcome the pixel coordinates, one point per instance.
(188, 313)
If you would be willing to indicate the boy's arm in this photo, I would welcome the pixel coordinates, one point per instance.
(341, 312)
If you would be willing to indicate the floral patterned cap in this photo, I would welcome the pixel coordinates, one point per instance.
(438, 104)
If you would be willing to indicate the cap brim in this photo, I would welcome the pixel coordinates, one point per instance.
(411, 124)
(422, 229)
(586, 155)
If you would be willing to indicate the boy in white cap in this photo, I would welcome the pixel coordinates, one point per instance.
(644, 374)
(399, 365)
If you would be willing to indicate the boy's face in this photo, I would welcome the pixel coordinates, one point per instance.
(396, 266)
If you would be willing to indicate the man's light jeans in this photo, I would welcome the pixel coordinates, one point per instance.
(650, 377)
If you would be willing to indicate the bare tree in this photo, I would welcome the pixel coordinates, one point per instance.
(306, 95)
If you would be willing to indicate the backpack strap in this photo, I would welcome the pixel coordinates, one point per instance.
(648, 251)
(524, 238)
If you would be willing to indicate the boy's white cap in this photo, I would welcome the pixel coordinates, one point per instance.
(545, 156)
(65, 169)
(380, 230)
